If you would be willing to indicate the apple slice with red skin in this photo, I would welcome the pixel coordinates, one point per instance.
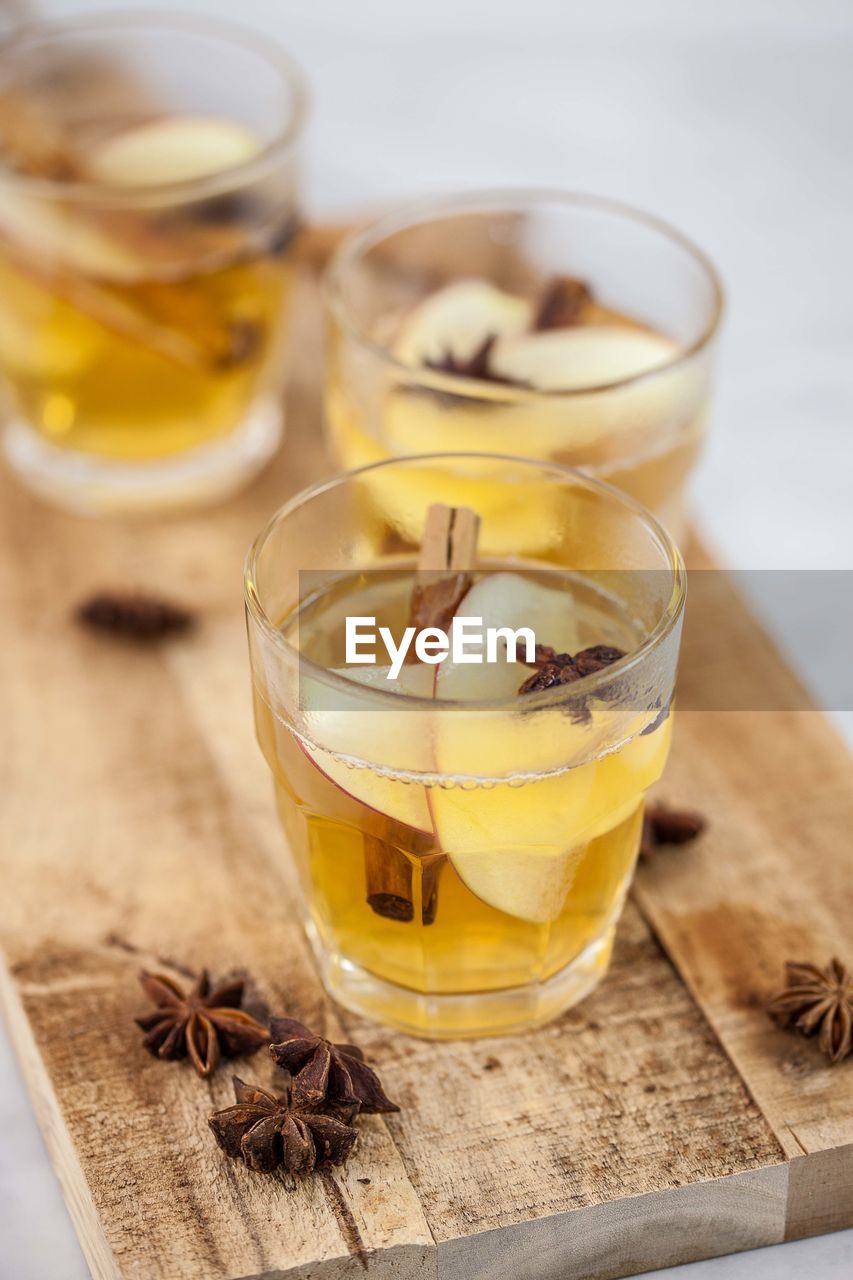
(351, 745)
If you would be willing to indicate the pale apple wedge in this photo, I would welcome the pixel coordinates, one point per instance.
(573, 361)
(500, 743)
(352, 744)
(648, 387)
(515, 846)
(457, 319)
(509, 600)
(492, 838)
(176, 149)
(624, 776)
(579, 357)
(525, 522)
(116, 247)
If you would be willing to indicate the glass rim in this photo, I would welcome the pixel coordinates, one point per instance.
(35, 33)
(554, 696)
(362, 239)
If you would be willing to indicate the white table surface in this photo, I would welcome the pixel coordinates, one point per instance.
(733, 121)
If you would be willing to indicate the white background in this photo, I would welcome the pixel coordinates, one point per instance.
(732, 119)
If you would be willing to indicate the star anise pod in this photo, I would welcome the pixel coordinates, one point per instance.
(543, 654)
(663, 825)
(136, 615)
(554, 668)
(549, 675)
(477, 365)
(268, 1131)
(818, 1002)
(596, 658)
(203, 1024)
(325, 1072)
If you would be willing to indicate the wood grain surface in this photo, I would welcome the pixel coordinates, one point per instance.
(664, 1119)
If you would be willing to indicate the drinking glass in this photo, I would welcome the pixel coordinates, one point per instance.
(464, 848)
(148, 198)
(558, 326)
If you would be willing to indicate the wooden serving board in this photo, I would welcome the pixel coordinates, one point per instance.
(663, 1120)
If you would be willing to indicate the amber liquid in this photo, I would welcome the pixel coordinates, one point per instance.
(490, 889)
(144, 368)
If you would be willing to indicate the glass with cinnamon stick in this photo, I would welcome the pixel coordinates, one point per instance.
(463, 704)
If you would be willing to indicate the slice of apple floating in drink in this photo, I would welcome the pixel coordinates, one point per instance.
(517, 844)
(646, 385)
(445, 333)
(512, 845)
(172, 149)
(452, 323)
(114, 245)
(356, 745)
(451, 332)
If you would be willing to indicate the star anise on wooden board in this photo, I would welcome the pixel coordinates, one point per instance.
(818, 1002)
(136, 615)
(202, 1023)
(324, 1072)
(268, 1131)
(663, 825)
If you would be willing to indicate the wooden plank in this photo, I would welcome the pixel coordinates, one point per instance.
(663, 1120)
(704, 1220)
(772, 880)
(625, 1096)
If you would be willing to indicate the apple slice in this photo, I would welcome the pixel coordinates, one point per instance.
(579, 357)
(117, 247)
(515, 846)
(518, 845)
(176, 149)
(457, 319)
(625, 775)
(517, 519)
(580, 425)
(353, 744)
(509, 600)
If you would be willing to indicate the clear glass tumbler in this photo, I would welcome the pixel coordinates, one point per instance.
(465, 844)
(148, 198)
(563, 327)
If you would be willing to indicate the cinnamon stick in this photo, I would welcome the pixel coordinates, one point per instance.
(431, 868)
(448, 554)
(392, 877)
(388, 879)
